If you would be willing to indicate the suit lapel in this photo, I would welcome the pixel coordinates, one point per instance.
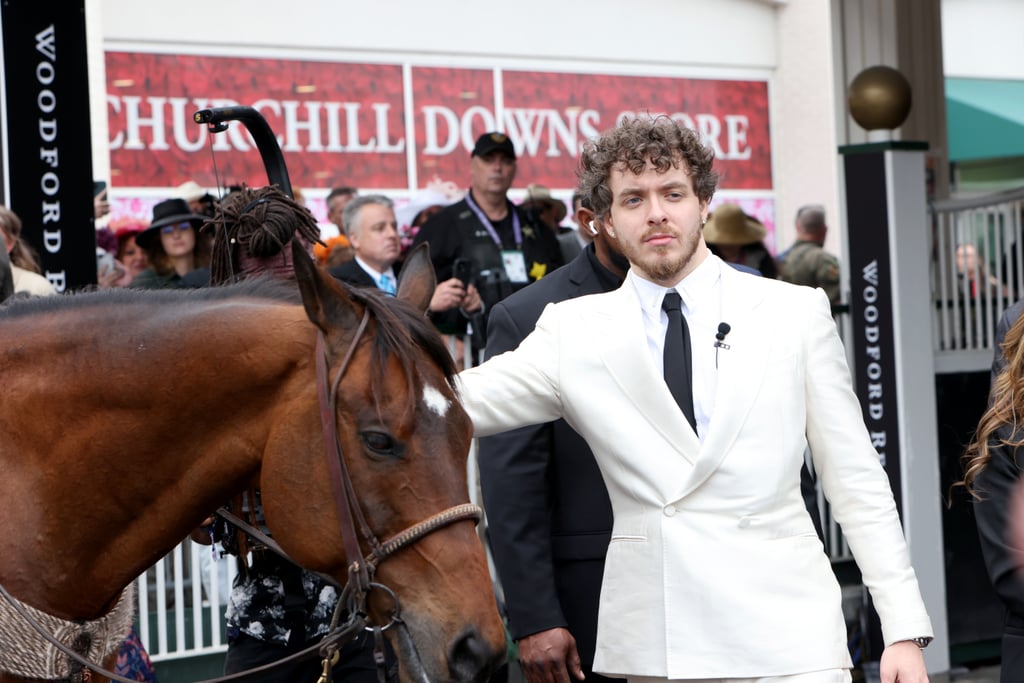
(620, 324)
(741, 369)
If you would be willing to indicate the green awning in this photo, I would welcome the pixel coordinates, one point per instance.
(985, 118)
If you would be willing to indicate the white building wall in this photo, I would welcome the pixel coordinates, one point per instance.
(983, 39)
(804, 137)
(669, 32)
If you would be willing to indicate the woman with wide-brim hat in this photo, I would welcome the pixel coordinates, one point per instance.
(735, 237)
(174, 246)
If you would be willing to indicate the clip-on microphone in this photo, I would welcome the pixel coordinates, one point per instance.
(723, 329)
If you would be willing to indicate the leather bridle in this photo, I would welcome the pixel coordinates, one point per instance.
(361, 568)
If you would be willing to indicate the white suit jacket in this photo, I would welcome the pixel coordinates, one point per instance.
(714, 568)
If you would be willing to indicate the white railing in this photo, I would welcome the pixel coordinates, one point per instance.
(977, 272)
(184, 595)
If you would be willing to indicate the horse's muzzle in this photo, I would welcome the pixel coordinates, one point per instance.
(471, 659)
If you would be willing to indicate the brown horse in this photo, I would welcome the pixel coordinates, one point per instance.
(127, 416)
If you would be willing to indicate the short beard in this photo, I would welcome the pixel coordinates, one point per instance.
(664, 270)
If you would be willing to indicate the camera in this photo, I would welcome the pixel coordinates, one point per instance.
(463, 270)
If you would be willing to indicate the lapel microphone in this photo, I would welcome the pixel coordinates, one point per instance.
(723, 329)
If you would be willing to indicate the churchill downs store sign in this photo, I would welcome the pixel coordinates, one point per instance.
(395, 126)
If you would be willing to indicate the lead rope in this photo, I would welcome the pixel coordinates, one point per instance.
(86, 667)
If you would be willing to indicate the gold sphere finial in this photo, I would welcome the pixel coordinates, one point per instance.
(879, 98)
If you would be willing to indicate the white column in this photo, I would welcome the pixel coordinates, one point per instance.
(915, 382)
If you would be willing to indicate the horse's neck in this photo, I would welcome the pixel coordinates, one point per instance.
(154, 434)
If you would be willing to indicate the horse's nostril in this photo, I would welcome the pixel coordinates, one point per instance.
(472, 659)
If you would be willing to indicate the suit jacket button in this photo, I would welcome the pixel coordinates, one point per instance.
(670, 510)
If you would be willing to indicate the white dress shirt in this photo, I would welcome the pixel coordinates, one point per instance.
(376, 275)
(702, 308)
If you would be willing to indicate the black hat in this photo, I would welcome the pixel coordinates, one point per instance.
(488, 142)
(168, 212)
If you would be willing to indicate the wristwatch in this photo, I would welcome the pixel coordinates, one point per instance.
(921, 642)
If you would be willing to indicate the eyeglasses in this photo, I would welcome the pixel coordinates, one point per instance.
(175, 228)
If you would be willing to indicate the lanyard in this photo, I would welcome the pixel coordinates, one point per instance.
(516, 230)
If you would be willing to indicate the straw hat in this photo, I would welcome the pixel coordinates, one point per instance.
(728, 224)
(424, 199)
(540, 195)
(190, 191)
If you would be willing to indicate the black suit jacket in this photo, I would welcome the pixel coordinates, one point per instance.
(352, 273)
(996, 484)
(548, 514)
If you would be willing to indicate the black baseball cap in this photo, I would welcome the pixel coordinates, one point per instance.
(488, 142)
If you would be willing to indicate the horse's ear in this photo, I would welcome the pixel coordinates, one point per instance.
(417, 281)
(326, 303)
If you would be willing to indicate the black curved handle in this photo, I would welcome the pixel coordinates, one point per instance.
(216, 119)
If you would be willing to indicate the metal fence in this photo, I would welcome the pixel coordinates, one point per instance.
(977, 272)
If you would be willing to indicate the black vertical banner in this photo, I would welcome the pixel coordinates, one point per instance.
(871, 306)
(49, 153)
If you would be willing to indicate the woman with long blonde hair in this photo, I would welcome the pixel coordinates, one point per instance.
(992, 475)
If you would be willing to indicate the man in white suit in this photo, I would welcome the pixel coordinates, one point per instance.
(714, 571)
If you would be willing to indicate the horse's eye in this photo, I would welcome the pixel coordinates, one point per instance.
(380, 443)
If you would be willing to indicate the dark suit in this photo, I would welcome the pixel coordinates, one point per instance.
(548, 514)
(996, 484)
(351, 272)
(570, 245)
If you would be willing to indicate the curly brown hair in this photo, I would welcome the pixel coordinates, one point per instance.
(637, 142)
(1006, 406)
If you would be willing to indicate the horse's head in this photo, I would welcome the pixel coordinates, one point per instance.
(404, 440)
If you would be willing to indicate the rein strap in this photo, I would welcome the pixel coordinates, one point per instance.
(357, 569)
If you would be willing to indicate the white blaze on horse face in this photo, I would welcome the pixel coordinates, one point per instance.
(436, 401)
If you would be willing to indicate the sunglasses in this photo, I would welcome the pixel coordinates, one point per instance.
(175, 228)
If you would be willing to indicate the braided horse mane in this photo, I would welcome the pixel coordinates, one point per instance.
(251, 229)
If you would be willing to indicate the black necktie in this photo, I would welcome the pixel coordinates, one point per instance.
(677, 356)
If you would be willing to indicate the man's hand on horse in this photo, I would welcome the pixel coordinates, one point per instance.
(550, 657)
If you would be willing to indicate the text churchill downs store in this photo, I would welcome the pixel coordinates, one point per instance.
(399, 127)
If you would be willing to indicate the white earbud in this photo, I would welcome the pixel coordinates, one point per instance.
(593, 230)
